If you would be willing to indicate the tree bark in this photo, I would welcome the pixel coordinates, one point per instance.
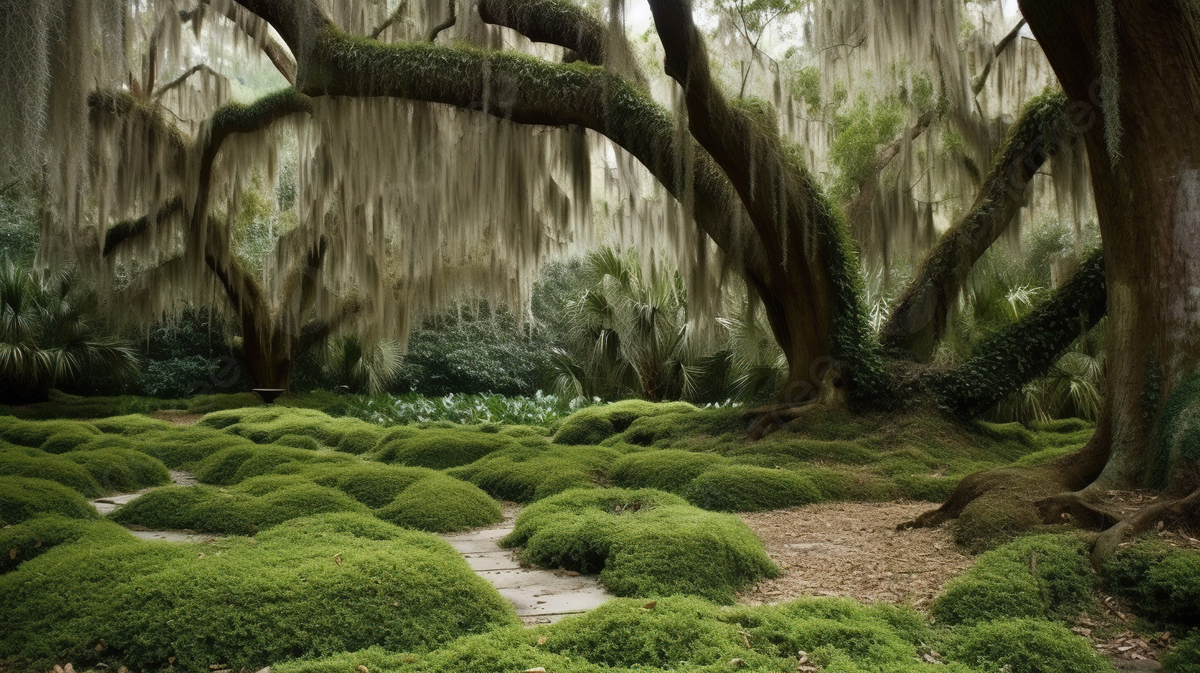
(1148, 202)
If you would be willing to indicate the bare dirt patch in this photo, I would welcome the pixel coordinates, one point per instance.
(852, 549)
(176, 416)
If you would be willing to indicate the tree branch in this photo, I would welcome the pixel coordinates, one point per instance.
(445, 25)
(395, 16)
(124, 231)
(183, 78)
(919, 316)
(859, 207)
(1026, 349)
(977, 86)
(561, 23)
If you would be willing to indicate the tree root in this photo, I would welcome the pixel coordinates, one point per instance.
(1077, 508)
(777, 416)
(1177, 513)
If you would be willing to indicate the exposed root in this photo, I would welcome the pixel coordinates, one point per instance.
(1176, 513)
(1076, 508)
(779, 415)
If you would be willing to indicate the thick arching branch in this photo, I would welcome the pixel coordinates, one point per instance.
(564, 24)
(919, 316)
(183, 78)
(127, 230)
(249, 24)
(1028, 348)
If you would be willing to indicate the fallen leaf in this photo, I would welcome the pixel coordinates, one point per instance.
(542, 641)
(264, 670)
(12, 554)
(37, 544)
(802, 657)
(69, 668)
(101, 645)
(539, 669)
(361, 669)
(737, 663)
(651, 605)
(337, 558)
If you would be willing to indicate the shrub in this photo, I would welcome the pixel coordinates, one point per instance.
(121, 470)
(304, 589)
(1185, 658)
(525, 473)
(1024, 646)
(441, 448)
(1041, 576)
(741, 488)
(22, 498)
(642, 542)
(666, 470)
(439, 504)
(52, 468)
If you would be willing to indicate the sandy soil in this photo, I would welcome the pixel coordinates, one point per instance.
(854, 550)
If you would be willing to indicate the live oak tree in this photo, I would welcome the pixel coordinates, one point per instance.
(390, 228)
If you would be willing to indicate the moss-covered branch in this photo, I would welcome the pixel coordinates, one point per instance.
(1026, 349)
(859, 207)
(127, 230)
(918, 318)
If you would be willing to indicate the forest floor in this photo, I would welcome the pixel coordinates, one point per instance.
(852, 549)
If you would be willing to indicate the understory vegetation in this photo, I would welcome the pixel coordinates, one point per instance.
(322, 557)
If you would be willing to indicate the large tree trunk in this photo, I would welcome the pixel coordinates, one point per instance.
(1148, 201)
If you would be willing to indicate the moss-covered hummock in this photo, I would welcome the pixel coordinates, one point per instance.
(1037, 577)
(1161, 580)
(43, 532)
(1030, 645)
(440, 504)
(741, 488)
(119, 470)
(37, 464)
(22, 498)
(529, 473)
(593, 425)
(312, 587)
(642, 543)
(440, 448)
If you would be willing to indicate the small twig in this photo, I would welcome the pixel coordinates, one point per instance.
(180, 80)
(1000, 47)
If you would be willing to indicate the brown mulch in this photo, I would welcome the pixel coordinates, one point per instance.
(176, 416)
(852, 549)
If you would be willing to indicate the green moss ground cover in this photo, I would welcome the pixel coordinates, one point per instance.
(311, 587)
(642, 543)
(631, 491)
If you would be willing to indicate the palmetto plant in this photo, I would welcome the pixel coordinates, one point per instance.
(631, 334)
(361, 367)
(49, 336)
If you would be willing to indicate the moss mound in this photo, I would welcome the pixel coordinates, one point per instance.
(211, 510)
(741, 488)
(359, 441)
(529, 473)
(1041, 576)
(665, 428)
(1001, 514)
(43, 532)
(186, 448)
(1161, 580)
(130, 425)
(299, 442)
(121, 470)
(40, 465)
(666, 470)
(439, 504)
(22, 498)
(642, 543)
(440, 448)
(308, 588)
(593, 425)
(69, 438)
(373, 484)
(1024, 646)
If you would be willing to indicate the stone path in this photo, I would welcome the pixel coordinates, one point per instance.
(540, 596)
